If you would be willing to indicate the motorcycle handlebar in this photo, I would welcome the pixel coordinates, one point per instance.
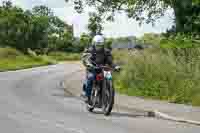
(106, 68)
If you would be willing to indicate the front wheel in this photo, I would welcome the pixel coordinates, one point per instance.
(89, 108)
(92, 100)
(108, 95)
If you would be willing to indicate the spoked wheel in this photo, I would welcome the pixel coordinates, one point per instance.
(92, 101)
(108, 98)
(90, 108)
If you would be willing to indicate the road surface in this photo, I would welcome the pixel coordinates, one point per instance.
(33, 101)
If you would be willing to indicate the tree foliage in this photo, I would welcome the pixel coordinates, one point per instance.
(38, 29)
(95, 24)
(85, 41)
(186, 12)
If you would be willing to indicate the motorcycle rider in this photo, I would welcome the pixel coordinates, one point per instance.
(95, 54)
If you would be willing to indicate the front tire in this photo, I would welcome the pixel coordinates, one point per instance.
(89, 108)
(108, 97)
(91, 101)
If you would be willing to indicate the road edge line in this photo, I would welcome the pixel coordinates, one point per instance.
(172, 118)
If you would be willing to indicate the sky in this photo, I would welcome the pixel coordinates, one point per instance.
(122, 26)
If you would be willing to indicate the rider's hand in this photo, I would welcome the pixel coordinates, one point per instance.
(97, 68)
(90, 66)
(117, 68)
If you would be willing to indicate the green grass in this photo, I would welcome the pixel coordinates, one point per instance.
(166, 74)
(179, 43)
(12, 59)
(62, 56)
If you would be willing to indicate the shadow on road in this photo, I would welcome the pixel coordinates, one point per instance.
(122, 114)
(118, 114)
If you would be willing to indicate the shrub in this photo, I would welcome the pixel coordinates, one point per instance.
(62, 56)
(168, 74)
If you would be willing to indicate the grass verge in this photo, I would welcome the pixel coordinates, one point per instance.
(12, 59)
(166, 74)
(62, 56)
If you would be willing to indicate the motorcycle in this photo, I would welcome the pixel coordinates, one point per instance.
(103, 93)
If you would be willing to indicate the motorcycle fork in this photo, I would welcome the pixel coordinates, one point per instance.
(98, 91)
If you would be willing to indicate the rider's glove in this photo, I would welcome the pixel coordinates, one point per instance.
(91, 67)
(117, 68)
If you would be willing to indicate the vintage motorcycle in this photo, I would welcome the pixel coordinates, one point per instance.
(103, 92)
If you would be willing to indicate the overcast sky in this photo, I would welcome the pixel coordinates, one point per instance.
(121, 27)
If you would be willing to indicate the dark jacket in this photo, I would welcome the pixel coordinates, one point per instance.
(92, 56)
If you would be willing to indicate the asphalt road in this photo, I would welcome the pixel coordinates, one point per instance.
(33, 101)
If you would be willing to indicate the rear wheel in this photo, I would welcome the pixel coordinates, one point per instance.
(108, 95)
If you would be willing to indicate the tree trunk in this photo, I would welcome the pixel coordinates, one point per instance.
(182, 11)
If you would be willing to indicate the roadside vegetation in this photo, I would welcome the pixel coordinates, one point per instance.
(63, 56)
(170, 74)
(12, 59)
(170, 70)
(37, 29)
(35, 37)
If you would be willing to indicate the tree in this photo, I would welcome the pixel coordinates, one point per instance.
(7, 4)
(85, 41)
(14, 26)
(145, 10)
(42, 11)
(195, 21)
(109, 42)
(37, 29)
(95, 24)
(196, 1)
(54, 30)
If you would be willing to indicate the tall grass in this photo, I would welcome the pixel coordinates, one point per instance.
(63, 56)
(167, 74)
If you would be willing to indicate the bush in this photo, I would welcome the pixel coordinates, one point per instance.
(42, 58)
(168, 74)
(62, 56)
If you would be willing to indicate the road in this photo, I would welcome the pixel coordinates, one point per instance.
(33, 101)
